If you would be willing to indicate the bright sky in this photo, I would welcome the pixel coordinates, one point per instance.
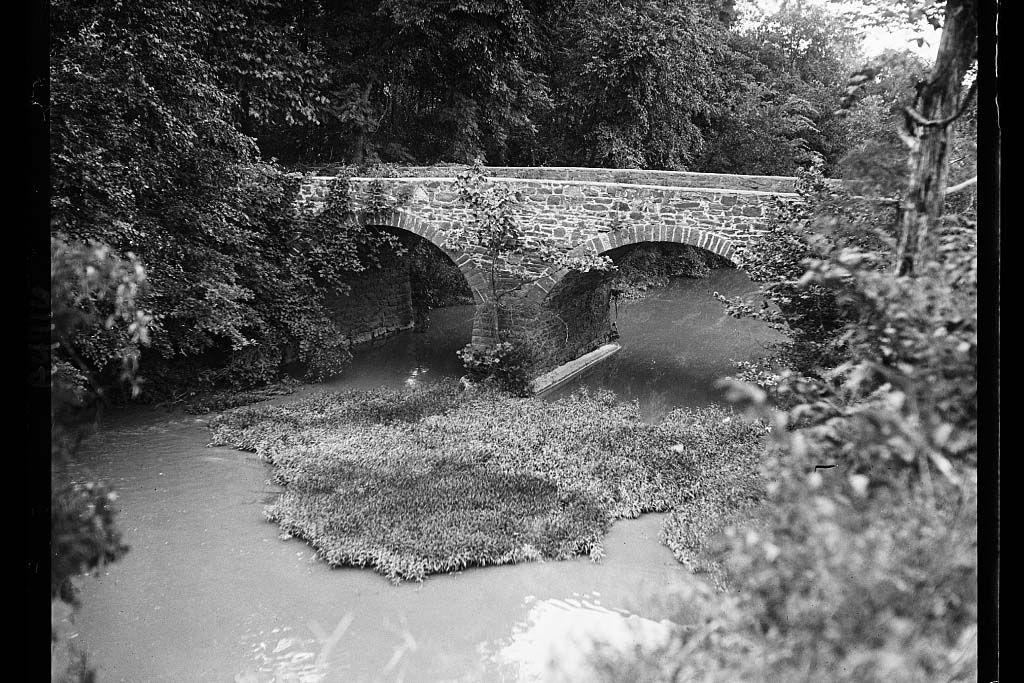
(877, 39)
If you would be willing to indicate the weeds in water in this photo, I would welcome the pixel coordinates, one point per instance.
(412, 483)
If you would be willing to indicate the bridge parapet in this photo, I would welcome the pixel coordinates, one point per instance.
(624, 176)
(572, 212)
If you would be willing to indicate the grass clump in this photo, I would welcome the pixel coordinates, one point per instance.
(417, 482)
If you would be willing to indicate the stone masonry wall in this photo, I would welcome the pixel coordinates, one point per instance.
(575, 212)
(574, 319)
(379, 305)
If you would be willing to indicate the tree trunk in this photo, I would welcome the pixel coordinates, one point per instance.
(929, 128)
(495, 320)
(362, 132)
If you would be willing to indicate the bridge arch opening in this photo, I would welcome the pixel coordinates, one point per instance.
(579, 312)
(404, 288)
(405, 225)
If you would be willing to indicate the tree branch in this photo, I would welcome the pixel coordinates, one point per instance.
(942, 123)
(79, 363)
(961, 186)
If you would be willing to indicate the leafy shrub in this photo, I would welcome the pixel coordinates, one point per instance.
(95, 324)
(867, 569)
(832, 584)
(818, 224)
(83, 534)
(506, 364)
(436, 480)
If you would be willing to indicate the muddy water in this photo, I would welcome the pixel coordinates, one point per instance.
(209, 592)
(676, 343)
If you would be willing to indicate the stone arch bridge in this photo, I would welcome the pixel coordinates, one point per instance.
(565, 314)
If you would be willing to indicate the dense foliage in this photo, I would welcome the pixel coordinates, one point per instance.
(148, 156)
(165, 122)
(783, 77)
(575, 82)
(623, 84)
(419, 482)
(823, 218)
(632, 85)
(91, 289)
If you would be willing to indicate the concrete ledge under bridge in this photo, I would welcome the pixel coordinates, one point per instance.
(567, 372)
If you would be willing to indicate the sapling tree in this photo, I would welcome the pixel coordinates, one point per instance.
(501, 249)
(510, 259)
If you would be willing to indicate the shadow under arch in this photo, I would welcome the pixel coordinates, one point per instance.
(572, 309)
(418, 283)
(401, 221)
(709, 240)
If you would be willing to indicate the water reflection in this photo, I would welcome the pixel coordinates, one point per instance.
(418, 377)
(676, 344)
(557, 637)
(411, 359)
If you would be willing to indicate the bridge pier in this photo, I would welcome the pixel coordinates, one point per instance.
(566, 324)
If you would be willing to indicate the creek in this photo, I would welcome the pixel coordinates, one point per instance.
(209, 592)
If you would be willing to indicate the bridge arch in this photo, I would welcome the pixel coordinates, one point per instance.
(403, 221)
(705, 239)
(570, 309)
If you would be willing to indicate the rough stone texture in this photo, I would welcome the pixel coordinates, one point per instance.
(581, 209)
(379, 304)
(591, 216)
(572, 320)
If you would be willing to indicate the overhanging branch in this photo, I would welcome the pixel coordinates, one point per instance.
(916, 117)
